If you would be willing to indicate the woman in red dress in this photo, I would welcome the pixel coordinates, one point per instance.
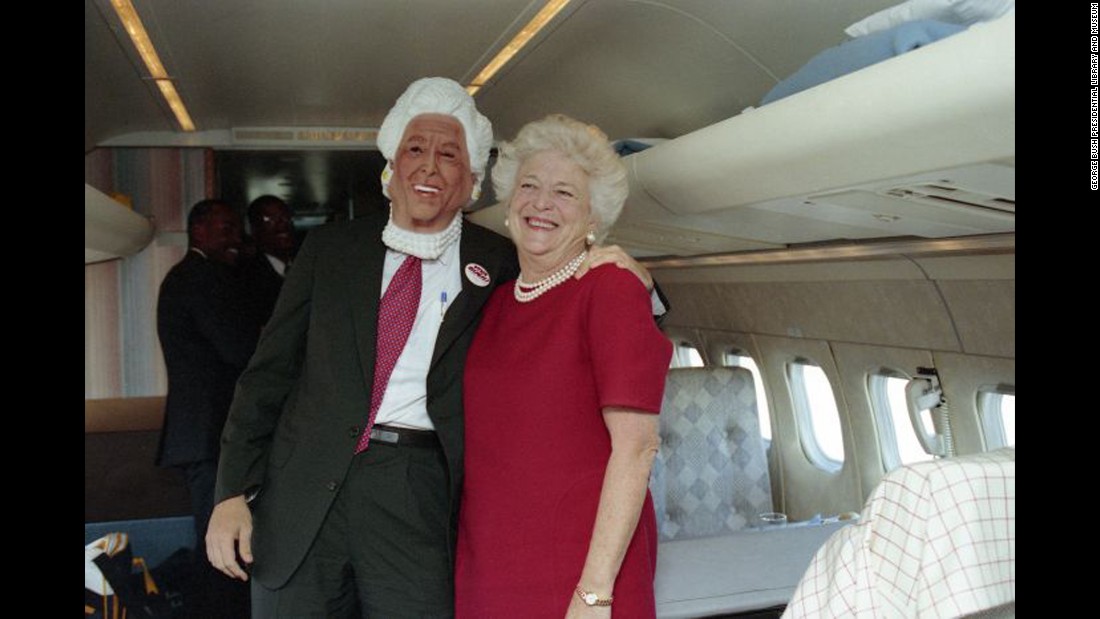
(562, 385)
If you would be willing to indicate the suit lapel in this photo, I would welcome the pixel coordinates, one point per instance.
(468, 304)
(363, 277)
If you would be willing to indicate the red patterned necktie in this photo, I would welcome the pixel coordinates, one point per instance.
(396, 315)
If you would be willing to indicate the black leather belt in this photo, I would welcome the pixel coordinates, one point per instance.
(404, 437)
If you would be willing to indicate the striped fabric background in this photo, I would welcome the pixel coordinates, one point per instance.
(122, 357)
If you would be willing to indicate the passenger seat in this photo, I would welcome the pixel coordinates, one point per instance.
(710, 481)
(710, 476)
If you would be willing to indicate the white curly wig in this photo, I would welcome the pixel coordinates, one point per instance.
(438, 95)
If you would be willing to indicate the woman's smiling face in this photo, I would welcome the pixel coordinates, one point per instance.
(550, 213)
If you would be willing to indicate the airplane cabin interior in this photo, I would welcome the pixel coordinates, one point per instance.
(824, 192)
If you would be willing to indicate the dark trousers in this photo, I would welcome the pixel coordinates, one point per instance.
(383, 550)
(217, 595)
(200, 484)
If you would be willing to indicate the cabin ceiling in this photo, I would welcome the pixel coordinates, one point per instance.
(637, 68)
(341, 63)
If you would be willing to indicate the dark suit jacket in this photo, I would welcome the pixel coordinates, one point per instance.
(206, 339)
(302, 403)
(263, 284)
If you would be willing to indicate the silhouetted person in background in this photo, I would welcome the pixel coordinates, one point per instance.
(272, 226)
(207, 337)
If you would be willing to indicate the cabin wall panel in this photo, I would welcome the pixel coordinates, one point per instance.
(99, 169)
(692, 305)
(845, 270)
(122, 353)
(806, 489)
(856, 363)
(102, 343)
(955, 313)
(984, 314)
(904, 313)
(961, 377)
(996, 266)
(143, 368)
(154, 179)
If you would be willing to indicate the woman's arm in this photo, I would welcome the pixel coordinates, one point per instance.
(634, 443)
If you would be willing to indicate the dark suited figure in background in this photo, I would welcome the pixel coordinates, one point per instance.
(207, 338)
(272, 224)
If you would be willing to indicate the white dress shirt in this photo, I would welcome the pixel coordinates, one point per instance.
(405, 401)
(278, 265)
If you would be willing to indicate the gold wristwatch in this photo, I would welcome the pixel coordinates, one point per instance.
(591, 599)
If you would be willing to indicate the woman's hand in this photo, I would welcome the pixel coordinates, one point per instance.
(579, 610)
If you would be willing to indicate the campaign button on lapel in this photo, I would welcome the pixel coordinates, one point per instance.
(477, 275)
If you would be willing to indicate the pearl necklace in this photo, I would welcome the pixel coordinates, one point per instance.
(537, 289)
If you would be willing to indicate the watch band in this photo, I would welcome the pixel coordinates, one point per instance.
(591, 599)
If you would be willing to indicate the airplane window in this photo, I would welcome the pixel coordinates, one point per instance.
(817, 415)
(685, 355)
(735, 359)
(997, 409)
(896, 435)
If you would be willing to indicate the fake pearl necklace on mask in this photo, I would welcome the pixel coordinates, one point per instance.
(536, 290)
(426, 246)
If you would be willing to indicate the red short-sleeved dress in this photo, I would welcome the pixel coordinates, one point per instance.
(537, 376)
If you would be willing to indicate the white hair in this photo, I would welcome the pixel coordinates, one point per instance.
(583, 144)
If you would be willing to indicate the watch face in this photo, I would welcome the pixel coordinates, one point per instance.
(591, 599)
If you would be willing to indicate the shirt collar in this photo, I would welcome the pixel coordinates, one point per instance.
(278, 265)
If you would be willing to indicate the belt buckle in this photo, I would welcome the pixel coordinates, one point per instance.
(386, 436)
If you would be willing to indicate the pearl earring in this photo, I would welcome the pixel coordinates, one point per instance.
(590, 237)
